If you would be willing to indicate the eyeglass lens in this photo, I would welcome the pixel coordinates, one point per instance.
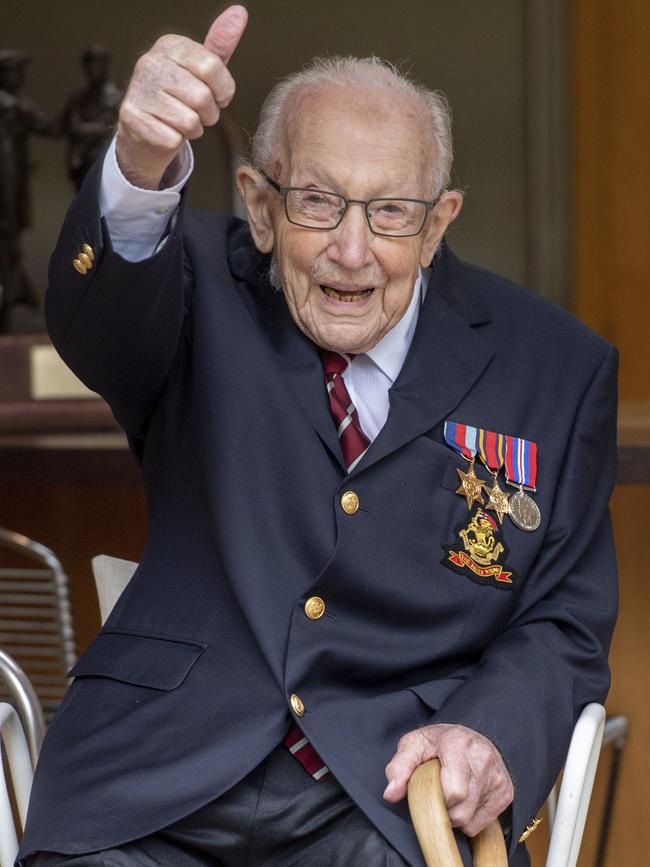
(318, 209)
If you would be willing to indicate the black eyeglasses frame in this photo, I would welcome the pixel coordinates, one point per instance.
(284, 191)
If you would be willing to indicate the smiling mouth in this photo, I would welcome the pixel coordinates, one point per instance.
(345, 295)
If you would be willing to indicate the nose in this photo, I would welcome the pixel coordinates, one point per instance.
(351, 241)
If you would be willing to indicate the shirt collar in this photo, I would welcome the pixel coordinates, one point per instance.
(389, 353)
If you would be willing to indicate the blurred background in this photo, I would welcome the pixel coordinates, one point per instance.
(551, 129)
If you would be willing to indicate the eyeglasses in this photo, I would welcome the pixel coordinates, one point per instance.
(319, 209)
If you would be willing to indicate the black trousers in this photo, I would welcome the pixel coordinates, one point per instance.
(277, 816)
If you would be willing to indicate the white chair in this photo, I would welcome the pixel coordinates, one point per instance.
(568, 823)
(21, 772)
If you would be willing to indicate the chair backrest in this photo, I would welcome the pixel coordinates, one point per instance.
(35, 618)
(21, 772)
(111, 577)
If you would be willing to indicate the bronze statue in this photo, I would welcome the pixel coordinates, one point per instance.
(19, 119)
(89, 118)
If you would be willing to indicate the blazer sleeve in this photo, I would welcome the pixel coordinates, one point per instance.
(119, 326)
(536, 676)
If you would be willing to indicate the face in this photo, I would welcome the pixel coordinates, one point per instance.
(346, 287)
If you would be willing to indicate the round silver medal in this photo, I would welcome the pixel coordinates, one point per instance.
(524, 512)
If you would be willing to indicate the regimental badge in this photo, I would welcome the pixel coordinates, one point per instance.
(479, 551)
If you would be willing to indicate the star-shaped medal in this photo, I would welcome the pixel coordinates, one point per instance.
(470, 486)
(498, 500)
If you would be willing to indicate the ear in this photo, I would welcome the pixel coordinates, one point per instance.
(444, 213)
(257, 208)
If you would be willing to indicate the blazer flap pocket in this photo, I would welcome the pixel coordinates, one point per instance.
(143, 660)
(434, 692)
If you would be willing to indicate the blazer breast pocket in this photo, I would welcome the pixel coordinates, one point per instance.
(155, 661)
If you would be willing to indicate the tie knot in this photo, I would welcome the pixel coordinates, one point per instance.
(334, 362)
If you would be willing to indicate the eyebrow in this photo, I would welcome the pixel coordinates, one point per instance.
(317, 172)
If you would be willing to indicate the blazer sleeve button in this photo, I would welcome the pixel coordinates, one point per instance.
(533, 826)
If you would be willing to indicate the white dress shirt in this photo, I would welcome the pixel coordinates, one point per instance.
(136, 220)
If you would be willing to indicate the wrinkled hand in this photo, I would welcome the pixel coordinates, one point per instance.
(474, 779)
(177, 89)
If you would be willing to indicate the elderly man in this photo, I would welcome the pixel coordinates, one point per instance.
(341, 429)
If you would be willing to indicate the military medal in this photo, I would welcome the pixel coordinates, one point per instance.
(462, 439)
(491, 450)
(521, 472)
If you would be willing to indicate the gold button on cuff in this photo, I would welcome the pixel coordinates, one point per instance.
(79, 266)
(296, 704)
(85, 260)
(314, 608)
(350, 502)
(88, 250)
(534, 825)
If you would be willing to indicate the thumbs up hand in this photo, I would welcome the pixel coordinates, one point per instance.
(177, 89)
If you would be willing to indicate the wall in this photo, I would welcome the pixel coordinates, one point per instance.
(611, 180)
(473, 51)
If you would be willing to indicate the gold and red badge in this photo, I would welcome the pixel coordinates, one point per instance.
(478, 552)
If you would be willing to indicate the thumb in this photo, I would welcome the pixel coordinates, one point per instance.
(410, 754)
(226, 31)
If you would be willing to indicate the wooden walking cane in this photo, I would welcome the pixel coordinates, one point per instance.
(433, 828)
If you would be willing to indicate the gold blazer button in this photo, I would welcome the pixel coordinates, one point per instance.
(350, 502)
(314, 608)
(296, 704)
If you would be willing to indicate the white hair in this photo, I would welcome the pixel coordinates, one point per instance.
(371, 73)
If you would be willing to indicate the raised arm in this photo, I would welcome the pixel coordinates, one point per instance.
(116, 318)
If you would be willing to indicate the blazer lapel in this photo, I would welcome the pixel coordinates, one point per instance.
(302, 369)
(446, 358)
(298, 360)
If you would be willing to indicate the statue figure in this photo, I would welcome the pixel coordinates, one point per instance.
(19, 119)
(89, 118)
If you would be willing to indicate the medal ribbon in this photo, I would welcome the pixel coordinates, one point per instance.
(491, 449)
(521, 462)
(462, 438)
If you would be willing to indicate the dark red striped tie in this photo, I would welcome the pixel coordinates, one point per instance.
(354, 443)
(353, 440)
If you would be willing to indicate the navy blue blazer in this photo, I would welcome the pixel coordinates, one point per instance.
(186, 688)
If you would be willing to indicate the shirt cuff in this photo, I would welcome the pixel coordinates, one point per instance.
(137, 218)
